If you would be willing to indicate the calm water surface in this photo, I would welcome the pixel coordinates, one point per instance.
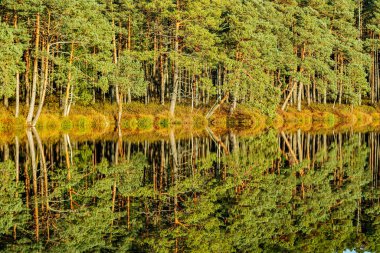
(274, 192)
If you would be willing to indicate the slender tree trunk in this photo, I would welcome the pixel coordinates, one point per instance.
(162, 79)
(129, 32)
(372, 74)
(299, 98)
(216, 106)
(115, 60)
(129, 49)
(120, 107)
(44, 86)
(17, 112)
(340, 61)
(26, 75)
(35, 72)
(67, 103)
(176, 68)
(283, 107)
(300, 91)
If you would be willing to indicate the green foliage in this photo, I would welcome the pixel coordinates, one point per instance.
(128, 76)
(11, 52)
(257, 52)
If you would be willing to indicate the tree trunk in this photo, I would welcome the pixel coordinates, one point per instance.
(283, 107)
(299, 99)
(162, 80)
(17, 112)
(216, 106)
(43, 86)
(175, 76)
(35, 73)
(120, 107)
(26, 75)
(66, 105)
(115, 60)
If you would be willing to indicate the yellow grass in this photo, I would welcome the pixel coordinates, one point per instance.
(152, 119)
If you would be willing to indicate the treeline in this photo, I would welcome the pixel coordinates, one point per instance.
(263, 54)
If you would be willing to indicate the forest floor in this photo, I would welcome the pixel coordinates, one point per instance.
(152, 121)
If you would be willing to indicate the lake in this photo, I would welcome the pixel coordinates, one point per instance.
(200, 192)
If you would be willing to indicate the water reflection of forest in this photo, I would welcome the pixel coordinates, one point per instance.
(272, 192)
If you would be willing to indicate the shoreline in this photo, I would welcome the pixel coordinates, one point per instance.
(140, 119)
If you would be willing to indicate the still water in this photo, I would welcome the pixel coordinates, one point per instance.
(272, 192)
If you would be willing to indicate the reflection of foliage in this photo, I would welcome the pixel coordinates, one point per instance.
(13, 213)
(238, 202)
(91, 226)
(130, 174)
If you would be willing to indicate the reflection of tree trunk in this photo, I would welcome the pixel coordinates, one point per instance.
(43, 165)
(289, 147)
(17, 158)
(129, 151)
(299, 143)
(6, 152)
(35, 189)
(119, 145)
(27, 182)
(17, 165)
(129, 212)
(114, 195)
(325, 145)
(67, 145)
(175, 172)
(232, 137)
(162, 163)
(234, 150)
(217, 140)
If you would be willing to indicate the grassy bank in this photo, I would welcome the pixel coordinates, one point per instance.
(101, 119)
(140, 119)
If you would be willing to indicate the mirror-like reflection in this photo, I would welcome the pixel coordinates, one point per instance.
(279, 192)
